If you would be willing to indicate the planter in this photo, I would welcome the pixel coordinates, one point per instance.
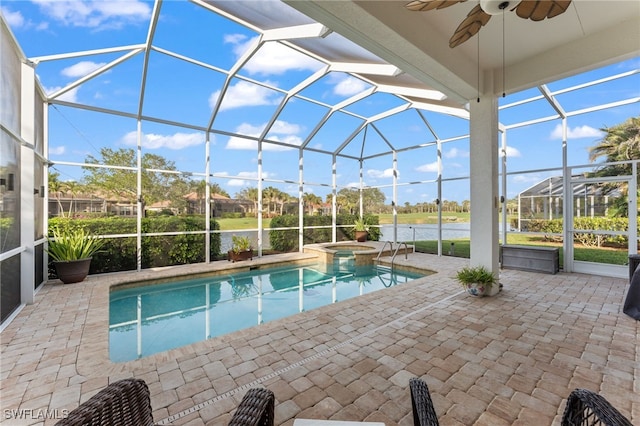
(72, 271)
(477, 289)
(241, 255)
(361, 236)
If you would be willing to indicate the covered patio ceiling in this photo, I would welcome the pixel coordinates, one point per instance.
(590, 34)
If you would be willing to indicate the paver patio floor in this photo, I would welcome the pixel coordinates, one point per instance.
(511, 359)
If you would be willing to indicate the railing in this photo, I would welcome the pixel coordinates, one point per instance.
(406, 252)
(383, 247)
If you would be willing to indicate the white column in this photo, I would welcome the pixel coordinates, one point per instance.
(484, 184)
(27, 182)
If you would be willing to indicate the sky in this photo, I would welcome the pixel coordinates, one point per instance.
(180, 91)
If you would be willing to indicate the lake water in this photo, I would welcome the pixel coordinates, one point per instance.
(406, 233)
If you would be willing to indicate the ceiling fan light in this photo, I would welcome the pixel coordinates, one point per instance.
(496, 7)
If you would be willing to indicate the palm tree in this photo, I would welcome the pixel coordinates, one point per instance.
(55, 187)
(251, 194)
(620, 143)
(311, 201)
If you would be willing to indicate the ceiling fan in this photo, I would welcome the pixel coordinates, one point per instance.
(536, 10)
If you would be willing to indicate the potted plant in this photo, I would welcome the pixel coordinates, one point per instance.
(241, 248)
(71, 251)
(361, 229)
(477, 280)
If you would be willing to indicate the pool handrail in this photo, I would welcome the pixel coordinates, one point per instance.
(383, 247)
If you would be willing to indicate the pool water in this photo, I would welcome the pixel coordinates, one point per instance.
(150, 319)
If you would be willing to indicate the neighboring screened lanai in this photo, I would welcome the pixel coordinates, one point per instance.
(543, 201)
(267, 109)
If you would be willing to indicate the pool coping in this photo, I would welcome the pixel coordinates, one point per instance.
(93, 352)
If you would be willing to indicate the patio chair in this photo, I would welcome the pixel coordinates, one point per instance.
(255, 409)
(586, 408)
(423, 412)
(127, 402)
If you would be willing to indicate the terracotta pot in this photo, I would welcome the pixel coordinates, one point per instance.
(361, 236)
(72, 271)
(242, 255)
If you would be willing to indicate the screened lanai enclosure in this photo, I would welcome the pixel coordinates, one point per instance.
(151, 126)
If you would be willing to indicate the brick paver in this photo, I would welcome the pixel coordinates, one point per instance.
(509, 359)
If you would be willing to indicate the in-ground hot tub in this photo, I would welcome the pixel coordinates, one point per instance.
(361, 253)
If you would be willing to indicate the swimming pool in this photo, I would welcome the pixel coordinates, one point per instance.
(150, 319)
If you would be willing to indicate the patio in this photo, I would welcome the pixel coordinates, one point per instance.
(506, 360)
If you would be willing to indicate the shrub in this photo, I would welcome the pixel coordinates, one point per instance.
(119, 253)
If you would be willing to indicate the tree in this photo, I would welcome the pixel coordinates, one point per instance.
(620, 143)
(311, 201)
(251, 194)
(217, 189)
(55, 189)
(156, 186)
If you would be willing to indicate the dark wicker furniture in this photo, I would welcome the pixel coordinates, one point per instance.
(423, 412)
(124, 403)
(127, 403)
(256, 408)
(586, 408)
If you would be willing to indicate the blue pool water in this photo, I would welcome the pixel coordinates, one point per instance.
(150, 319)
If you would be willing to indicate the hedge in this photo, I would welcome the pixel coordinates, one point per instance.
(589, 239)
(119, 254)
(287, 240)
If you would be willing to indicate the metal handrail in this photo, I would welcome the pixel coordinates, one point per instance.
(406, 251)
(383, 247)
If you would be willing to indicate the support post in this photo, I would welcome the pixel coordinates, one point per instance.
(484, 185)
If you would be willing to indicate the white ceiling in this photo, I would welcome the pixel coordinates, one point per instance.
(590, 34)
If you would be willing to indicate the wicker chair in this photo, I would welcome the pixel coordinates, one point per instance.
(255, 409)
(423, 412)
(127, 403)
(124, 403)
(586, 408)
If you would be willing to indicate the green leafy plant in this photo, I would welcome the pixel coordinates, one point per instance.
(476, 274)
(240, 243)
(360, 225)
(72, 244)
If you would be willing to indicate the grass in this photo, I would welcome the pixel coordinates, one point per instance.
(461, 248)
(607, 255)
(228, 224)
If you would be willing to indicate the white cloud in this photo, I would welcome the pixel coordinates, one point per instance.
(58, 150)
(272, 58)
(96, 14)
(14, 19)
(175, 141)
(429, 167)
(512, 152)
(250, 178)
(244, 94)
(576, 132)
(69, 96)
(349, 86)
(281, 131)
(527, 178)
(81, 69)
(378, 174)
(456, 153)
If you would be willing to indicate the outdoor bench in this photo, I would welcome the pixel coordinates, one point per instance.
(530, 258)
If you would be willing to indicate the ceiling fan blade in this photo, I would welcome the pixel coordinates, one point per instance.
(475, 20)
(537, 10)
(422, 5)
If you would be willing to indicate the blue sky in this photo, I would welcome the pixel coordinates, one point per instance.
(187, 92)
